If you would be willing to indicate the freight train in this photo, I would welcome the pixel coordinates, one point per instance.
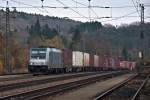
(53, 60)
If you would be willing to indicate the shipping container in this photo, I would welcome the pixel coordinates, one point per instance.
(133, 65)
(122, 64)
(117, 62)
(77, 59)
(112, 62)
(86, 59)
(109, 60)
(91, 60)
(67, 57)
(130, 65)
(96, 61)
(101, 61)
(106, 62)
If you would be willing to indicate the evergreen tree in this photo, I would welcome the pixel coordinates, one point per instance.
(37, 28)
(45, 30)
(125, 54)
(76, 38)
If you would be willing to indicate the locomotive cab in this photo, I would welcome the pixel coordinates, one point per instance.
(38, 60)
(44, 60)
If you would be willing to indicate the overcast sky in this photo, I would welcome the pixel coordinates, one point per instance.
(82, 14)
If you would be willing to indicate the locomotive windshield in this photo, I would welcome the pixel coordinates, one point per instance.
(38, 53)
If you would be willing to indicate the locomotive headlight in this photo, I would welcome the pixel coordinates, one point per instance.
(31, 63)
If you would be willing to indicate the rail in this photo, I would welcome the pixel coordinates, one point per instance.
(106, 93)
(28, 95)
(7, 85)
(136, 96)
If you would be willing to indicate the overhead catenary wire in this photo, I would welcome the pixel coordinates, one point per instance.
(79, 3)
(43, 7)
(30, 6)
(109, 17)
(40, 8)
(66, 7)
(69, 7)
(135, 7)
(72, 9)
(86, 6)
(89, 7)
(19, 2)
(120, 17)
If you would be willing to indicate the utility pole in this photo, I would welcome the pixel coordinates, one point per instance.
(89, 9)
(142, 31)
(83, 36)
(0, 19)
(7, 55)
(141, 52)
(42, 2)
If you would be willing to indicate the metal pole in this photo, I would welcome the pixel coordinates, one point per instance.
(0, 19)
(89, 10)
(141, 52)
(7, 59)
(142, 31)
(83, 46)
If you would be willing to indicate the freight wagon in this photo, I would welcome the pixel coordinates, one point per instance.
(96, 61)
(67, 59)
(130, 65)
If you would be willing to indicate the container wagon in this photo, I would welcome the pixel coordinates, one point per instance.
(67, 59)
(91, 63)
(102, 62)
(86, 62)
(77, 61)
(96, 62)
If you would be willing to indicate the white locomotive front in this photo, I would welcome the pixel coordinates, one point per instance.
(38, 60)
(44, 60)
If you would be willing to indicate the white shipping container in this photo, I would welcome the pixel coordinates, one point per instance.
(96, 61)
(77, 59)
(133, 65)
(86, 59)
(112, 62)
(123, 64)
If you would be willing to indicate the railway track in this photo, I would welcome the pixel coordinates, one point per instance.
(28, 75)
(51, 88)
(7, 85)
(127, 90)
(145, 93)
(14, 76)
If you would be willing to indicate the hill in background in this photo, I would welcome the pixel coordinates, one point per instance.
(32, 30)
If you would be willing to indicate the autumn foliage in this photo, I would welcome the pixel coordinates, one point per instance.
(17, 58)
